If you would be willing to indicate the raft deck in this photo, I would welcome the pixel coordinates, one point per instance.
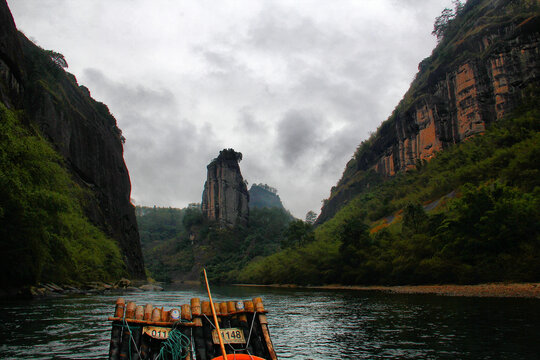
(188, 332)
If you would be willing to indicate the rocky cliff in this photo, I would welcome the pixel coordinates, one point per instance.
(82, 130)
(487, 60)
(264, 196)
(225, 197)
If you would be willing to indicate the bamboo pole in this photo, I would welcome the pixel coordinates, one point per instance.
(259, 307)
(221, 344)
(185, 314)
(200, 347)
(136, 334)
(207, 329)
(243, 319)
(257, 338)
(126, 334)
(116, 332)
(145, 341)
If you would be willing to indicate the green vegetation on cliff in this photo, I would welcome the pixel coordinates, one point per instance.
(490, 231)
(44, 234)
(164, 240)
(262, 195)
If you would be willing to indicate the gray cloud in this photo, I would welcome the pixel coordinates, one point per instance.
(163, 151)
(294, 86)
(298, 134)
(248, 123)
(277, 30)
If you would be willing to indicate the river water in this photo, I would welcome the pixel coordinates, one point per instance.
(304, 324)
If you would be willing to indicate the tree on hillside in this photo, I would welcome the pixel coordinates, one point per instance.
(354, 250)
(443, 22)
(415, 219)
(192, 216)
(298, 233)
(267, 188)
(58, 59)
(311, 217)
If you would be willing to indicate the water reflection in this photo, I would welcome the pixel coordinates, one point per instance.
(304, 324)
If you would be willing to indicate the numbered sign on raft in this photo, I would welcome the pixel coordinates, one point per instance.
(156, 332)
(230, 336)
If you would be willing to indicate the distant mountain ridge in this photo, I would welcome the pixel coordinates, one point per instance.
(264, 196)
(483, 66)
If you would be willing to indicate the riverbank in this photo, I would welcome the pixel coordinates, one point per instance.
(514, 290)
(96, 287)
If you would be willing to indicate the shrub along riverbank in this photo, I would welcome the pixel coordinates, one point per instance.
(513, 290)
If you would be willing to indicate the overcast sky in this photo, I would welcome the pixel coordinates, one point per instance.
(293, 85)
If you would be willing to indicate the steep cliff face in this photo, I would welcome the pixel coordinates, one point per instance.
(225, 197)
(10, 53)
(82, 130)
(264, 196)
(479, 72)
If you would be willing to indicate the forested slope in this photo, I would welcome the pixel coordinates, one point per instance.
(176, 243)
(488, 231)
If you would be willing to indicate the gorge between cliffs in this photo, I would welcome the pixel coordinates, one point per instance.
(445, 191)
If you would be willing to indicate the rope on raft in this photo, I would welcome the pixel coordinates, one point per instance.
(132, 340)
(176, 346)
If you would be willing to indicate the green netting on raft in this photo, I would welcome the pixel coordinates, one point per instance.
(176, 347)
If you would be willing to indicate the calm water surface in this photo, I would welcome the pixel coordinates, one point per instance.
(305, 324)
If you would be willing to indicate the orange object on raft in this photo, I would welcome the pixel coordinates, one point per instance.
(239, 357)
(142, 332)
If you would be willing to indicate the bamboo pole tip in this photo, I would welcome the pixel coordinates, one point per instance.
(131, 305)
(130, 310)
(186, 312)
(231, 306)
(148, 311)
(205, 307)
(195, 301)
(259, 307)
(156, 314)
(223, 308)
(196, 307)
(119, 308)
(164, 315)
(139, 312)
(248, 305)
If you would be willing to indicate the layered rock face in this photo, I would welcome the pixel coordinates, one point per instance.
(225, 197)
(451, 101)
(461, 105)
(10, 53)
(82, 130)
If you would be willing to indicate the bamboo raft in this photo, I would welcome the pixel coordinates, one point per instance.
(188, 332)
